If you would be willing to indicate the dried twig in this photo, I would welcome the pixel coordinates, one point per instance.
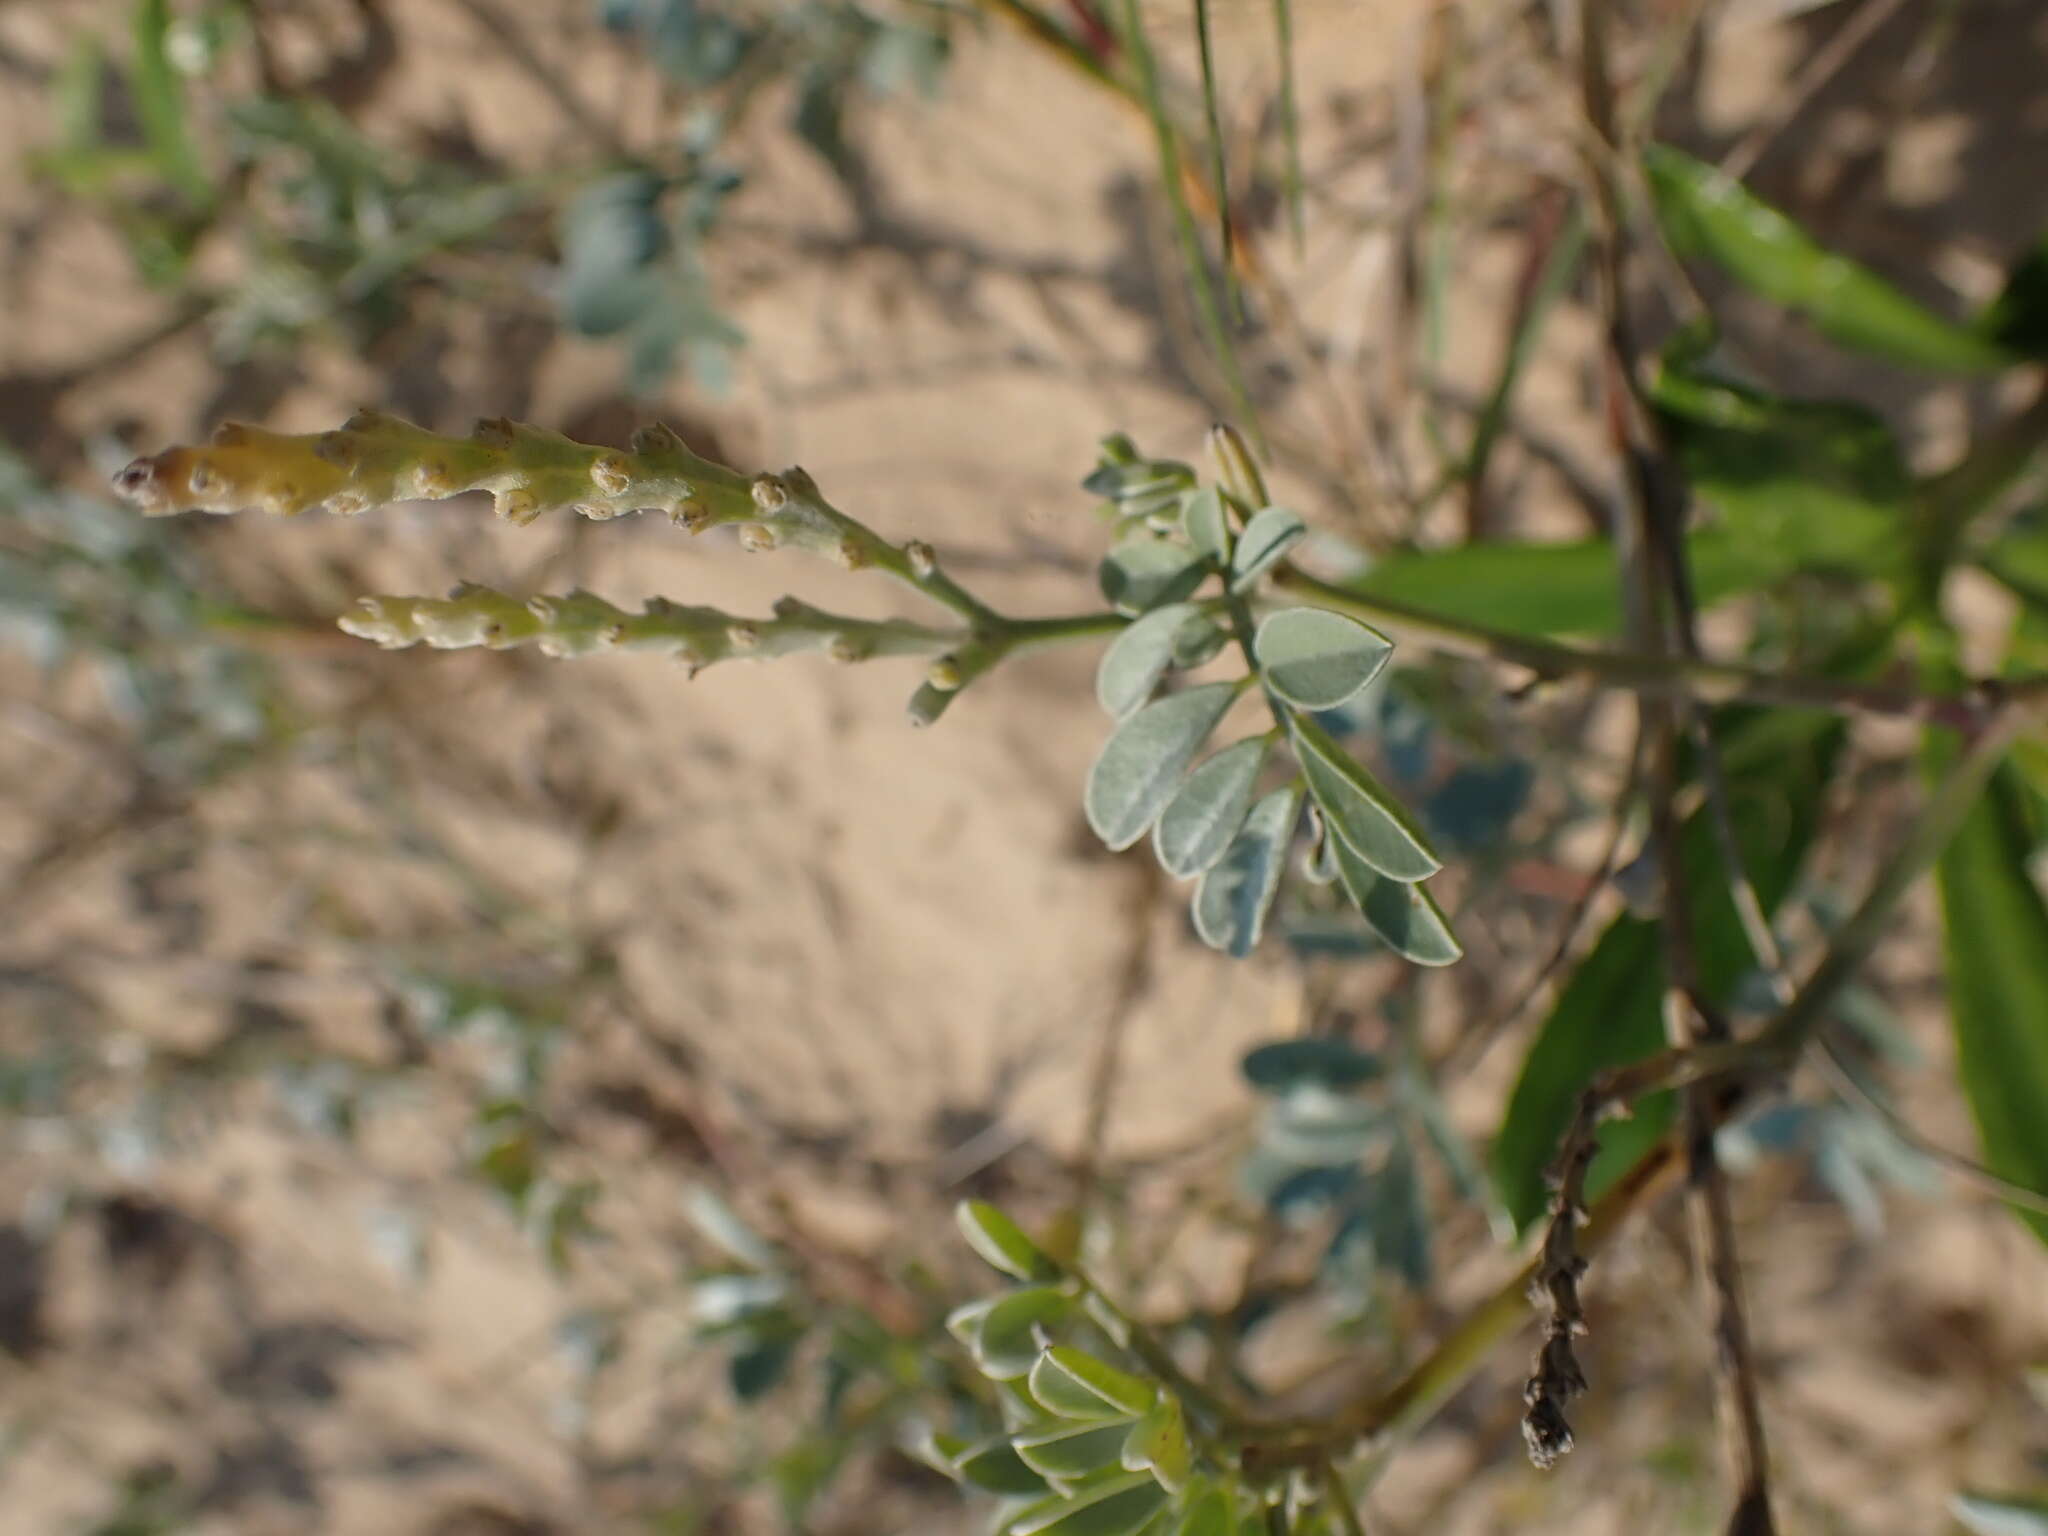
(1664, 621)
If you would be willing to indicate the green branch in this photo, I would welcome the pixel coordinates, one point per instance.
(1665, 676)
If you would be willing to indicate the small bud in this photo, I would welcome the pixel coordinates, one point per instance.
(690, 515)
(349, 503)
(370, 420)
(338, 449)
(542, 608)
(611, 474)
(944, 674)
(690, 658)
(518, 507)
(922, 557)
(743, 636)
(611, 635)
(757, 538)
(656, 438)
(844, 648)
(493, 432)
(229, 434)
(1236, 467)
(927, 704)
(852, 554)
(203, 481)
(433, 480)
(770, 494)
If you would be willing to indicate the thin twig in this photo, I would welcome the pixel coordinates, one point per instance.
(1132, 980)
(1664, 623)
(1820, 67)
(1383, 1416)
(1709, 682)
(1340, 1500)
(506, 34)
(1472, 1043)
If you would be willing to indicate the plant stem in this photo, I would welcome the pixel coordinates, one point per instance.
(1383, 1416)
(1678, 677)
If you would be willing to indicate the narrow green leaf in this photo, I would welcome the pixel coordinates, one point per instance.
(1811, 483)
(1139, 657)
(1363, 814)
(1705, 214)
(1290, 120)
(1080, 1386)
(1141, 764)
(1317, 659)
(1070, 1452)
(160, 102)
(1554, 588)
(1219, 172)
(1609, 1012)
(1207, 310)
(1400, 912)
(1158, 1443)
(75, 94)
(1118, 1507)
(1002, 1243)
(1271, 532)
(1995, 1515)
(1337, 1065)
(1006, 1345)
(1207, 810)
(1995, 928)
(994, 1465)
(1208, 525)
(1141, 574)
(1231, 903)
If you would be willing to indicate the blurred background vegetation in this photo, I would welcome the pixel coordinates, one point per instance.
(476, 1097)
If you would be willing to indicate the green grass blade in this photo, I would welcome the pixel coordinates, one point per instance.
(160, 103)
(1207, 308)
(1219, 172)
(1290, 121)
(1560, 266)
